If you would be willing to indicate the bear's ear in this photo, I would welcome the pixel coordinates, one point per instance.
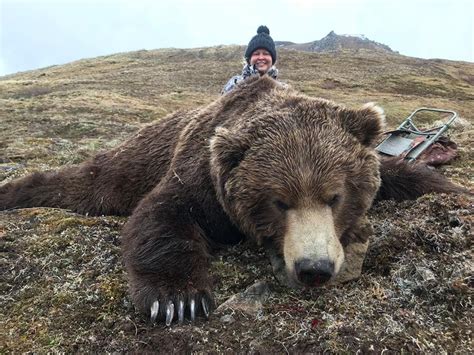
(366, 124)
(227, 151)
(227, 148)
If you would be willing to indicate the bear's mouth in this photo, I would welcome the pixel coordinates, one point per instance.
(312, 281)
(289, 277)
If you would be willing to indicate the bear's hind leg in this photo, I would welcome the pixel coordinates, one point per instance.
(167, 260)
(89, 188)
(65, 188)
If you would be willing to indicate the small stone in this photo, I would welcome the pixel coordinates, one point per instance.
(426, 274)
(454, 221)
(250, 301)
(227, 318)
(352, 267)
(10, 167)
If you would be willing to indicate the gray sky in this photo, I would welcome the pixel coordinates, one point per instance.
(40, 33)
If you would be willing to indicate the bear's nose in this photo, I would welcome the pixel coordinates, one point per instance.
(314, 273)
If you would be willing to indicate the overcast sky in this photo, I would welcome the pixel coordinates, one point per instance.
(41, 33)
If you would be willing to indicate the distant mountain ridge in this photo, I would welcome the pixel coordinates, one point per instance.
(334, 42)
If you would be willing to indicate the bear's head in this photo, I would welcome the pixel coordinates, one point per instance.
(301, 175)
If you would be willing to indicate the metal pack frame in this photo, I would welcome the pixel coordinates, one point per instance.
(408, 141)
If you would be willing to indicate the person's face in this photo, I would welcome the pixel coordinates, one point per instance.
(262, 60)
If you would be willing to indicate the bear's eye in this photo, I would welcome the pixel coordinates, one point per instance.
(281, 205)
(334, 200)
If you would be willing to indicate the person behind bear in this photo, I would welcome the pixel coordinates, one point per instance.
(260, 58)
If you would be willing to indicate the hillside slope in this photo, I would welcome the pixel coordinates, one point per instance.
(63, 286)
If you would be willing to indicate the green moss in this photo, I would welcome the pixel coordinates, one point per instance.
(112, 288)
(60, 224)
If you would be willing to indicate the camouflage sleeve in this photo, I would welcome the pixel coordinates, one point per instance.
(231, 84)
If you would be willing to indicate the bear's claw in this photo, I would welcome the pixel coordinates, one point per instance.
(155, 307)
(181, 311)
(168, 312)
(192, 308)
(205, 308)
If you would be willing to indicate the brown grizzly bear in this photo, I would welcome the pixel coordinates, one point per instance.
(263, 162)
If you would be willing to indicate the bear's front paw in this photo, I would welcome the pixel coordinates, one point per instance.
(167, 304)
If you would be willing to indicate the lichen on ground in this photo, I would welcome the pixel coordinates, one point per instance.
(64, 289)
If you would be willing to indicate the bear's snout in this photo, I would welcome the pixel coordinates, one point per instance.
(314, 273)
(311, 248)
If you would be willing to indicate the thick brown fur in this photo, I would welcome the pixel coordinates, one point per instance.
(402, 180)
(245, 165)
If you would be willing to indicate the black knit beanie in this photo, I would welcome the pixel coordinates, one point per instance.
(261, 40)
